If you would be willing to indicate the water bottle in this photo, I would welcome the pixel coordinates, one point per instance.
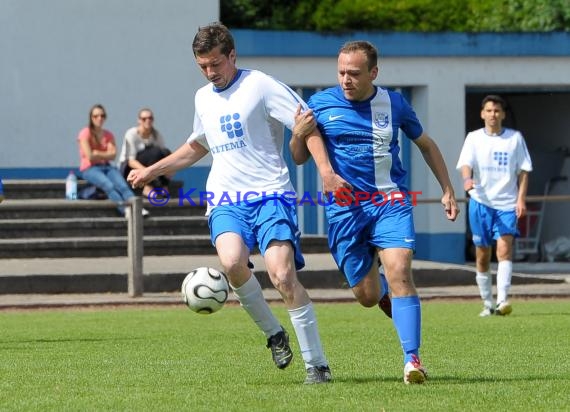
(71, 186)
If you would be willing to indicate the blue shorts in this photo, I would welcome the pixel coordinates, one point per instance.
(488, 224)
(355, 235)
(259, 223)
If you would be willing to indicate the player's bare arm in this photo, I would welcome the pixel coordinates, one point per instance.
(332, 182)
(305, 123)
(466, 175)
(185, 156)
(521, 196)
(434, 159)
(306, 142)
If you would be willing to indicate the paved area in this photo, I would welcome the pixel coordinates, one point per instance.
(178, 264)
(439, 280)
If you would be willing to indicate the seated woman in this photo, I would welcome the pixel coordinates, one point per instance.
(96, 150)
(144, 145)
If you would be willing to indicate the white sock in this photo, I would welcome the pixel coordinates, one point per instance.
(305, 324)
(485, 283)
(384, 287)
(251, 299)
(504, 274)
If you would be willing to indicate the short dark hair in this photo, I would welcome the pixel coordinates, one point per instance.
(495, 99)
(211, 36)
(364, 46)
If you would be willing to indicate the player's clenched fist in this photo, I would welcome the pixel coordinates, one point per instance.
(138, 177)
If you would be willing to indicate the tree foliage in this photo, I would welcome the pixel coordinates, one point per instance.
(399, 15)
(260, 14)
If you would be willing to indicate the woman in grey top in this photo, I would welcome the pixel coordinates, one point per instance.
(144, 145)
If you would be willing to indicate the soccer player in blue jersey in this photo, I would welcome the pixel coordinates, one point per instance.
(494, 164)
(239, 119)
(359, 123)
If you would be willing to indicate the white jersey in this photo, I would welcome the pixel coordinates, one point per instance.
(496, 161)
(242, 127)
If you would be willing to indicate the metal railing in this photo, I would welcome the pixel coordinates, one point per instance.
(135, 248)
(529, 244)
(136, 236)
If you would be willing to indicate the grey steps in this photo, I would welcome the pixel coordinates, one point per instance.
(100, 227)
(62, 209)
(102, 246)
(153, 283)
(18, 189)
(32, 227)
(37, 189)
(107, 246)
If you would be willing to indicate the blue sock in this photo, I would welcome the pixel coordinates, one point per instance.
(407, 318)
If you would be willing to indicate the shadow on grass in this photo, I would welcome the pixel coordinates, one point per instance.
(62, 340)
(448, 379)
(454, 380)
(368, 379)
(550, 314)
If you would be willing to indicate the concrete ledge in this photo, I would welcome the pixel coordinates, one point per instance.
(170, 282)
(164, 274)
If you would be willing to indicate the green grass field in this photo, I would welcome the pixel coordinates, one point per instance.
(156, 359)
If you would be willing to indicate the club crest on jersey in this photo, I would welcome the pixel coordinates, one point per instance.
(231, 125)
(501, 157)
(381, 120)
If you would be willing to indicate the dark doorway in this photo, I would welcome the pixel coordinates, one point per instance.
(543, 117)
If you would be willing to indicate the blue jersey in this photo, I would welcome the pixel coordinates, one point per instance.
(362, 137)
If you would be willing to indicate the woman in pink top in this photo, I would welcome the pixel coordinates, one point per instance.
(96, 150)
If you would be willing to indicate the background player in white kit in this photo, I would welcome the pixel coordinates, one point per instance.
(494, 164)
(239, 118)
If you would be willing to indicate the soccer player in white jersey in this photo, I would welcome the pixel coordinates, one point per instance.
(494, 164)
(359, 123)
(239, 119)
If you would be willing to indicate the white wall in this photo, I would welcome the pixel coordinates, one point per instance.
(59, 57)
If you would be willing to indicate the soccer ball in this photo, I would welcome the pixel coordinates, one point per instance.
(205, 290)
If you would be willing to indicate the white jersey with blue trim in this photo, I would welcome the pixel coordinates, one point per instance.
(362, 137)
(242, 127)
(496, 162)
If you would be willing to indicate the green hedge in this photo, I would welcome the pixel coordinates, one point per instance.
(399, 15)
